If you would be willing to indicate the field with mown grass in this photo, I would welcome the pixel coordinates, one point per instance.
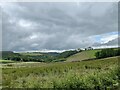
(23, 64)
(84, 55)
(7, 61)
(100, 74)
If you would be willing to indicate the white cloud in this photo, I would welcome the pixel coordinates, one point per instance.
(24, 23)
(107, 38)
(34, 36)
(105, 46)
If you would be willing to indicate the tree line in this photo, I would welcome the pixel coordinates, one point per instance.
(45, 57)
(109, 52)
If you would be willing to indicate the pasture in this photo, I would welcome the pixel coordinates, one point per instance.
(7, 61)
(97, 74)
(84, 55)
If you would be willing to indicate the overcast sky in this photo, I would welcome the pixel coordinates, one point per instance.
(58, 26)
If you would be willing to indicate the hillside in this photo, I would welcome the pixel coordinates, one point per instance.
(89, 54)
(67, 56)
(30, 54)
(85, 75)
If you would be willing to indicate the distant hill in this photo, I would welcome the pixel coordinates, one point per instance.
(39, 53)
(8, 53)
(52, 53)
(88, 54)
(67, 56)
(30, 54)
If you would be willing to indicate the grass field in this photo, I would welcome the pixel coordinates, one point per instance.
(89, 54)
(23, 64)
(7, 61)
(99, 74)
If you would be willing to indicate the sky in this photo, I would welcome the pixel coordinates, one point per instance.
(35, 26)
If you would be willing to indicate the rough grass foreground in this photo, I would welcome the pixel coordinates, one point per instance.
(100, 74)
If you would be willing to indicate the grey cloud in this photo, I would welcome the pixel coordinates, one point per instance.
(56, 25)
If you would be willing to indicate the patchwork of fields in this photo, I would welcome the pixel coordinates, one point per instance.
(97, 74)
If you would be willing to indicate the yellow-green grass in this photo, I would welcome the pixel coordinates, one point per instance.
(22, 64)
(19, 64)
(6, 61)
(89, 54)
(86, 75)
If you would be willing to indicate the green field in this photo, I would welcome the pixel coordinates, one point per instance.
(6, 61)
(100, 74)
(23, 64)
(84, 55)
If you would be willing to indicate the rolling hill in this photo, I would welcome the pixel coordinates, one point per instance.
(89, 54)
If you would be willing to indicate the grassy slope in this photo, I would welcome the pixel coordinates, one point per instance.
(64, 75)
(83, 55)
